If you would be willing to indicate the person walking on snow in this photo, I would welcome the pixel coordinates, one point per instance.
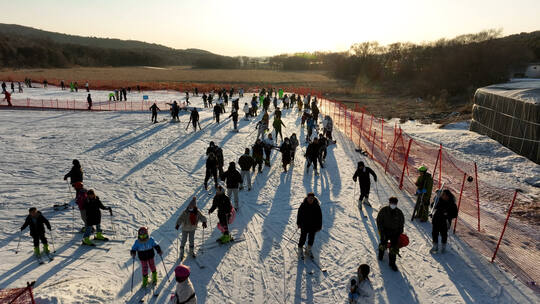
(424, 185)
(233, 180)
(261, 127)
(444, 211)
(268, 145)
(390, 223)
(360, 288)
(93, 217)
(277, 127)
(327, 127)
(89, 100)
(189, 219)
(312, 155)
(37, 221)
(211, 169)
(222, 203)
(246, 110)
(75, 174)
(7, 97)
(194, 119)
(362, 174)
(144, 248)
(218, 152)
(185, 293)
(309, 221)
(286, 151)
(294, 144)
(154, 108)
(217, 112)
(234, 116)
(246, 162)
(257, 153)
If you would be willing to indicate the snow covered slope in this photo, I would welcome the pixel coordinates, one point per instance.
(149, 172)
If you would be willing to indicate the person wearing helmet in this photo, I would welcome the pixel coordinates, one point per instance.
(390, 222)
(189, 220)
(185, 293)
(92, 207)
(144, 247)
(75, 174)
(424, 185)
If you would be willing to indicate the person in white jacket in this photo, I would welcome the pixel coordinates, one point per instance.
(189, 220)
(185, 293)
(246, 111)
(360, 288)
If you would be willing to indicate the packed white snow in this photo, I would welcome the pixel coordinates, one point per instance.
(149, 172)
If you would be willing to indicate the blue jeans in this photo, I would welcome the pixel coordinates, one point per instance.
(88, 230)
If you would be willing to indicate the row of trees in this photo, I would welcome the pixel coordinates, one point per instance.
(454, 66)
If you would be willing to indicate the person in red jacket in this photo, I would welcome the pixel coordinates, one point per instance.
(8, 98)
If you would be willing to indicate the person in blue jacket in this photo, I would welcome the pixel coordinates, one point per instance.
(144, 247)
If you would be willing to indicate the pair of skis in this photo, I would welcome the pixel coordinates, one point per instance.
(313, 261)
(39, 258)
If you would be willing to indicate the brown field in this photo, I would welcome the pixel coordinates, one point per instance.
(372, 99)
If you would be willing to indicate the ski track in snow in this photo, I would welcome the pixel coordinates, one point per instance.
(149, 172)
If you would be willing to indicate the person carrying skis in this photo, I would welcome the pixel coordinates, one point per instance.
(144, 247)
(246, 162)
(37, 221)
(286, 151)
(185, 293)
(194, 119)
(234, 116)
(294, 144)
(268, 145)
(154, 108)
(93, 217)
(390, 223)
(75, 174)
(233, 180)
(217, 112)
(277, 127)
(309, 221)
(424, 185)
(312, 155)
(362, 174)
(444, 211)
(89, 101)
(257, 153)
(211, 169)
(360, 288)
(224, 207)
(246, 110)
(189, 219)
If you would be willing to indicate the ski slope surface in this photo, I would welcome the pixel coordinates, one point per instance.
(149, 172)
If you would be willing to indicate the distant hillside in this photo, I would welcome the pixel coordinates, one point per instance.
(27, 47)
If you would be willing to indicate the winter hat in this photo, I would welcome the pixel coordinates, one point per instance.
(232, 165)
(363, 270)
(361, 163)
(193, 202)
(246, 151)
(422, 169)
(76, 163)
(182, 272)
(393, 200)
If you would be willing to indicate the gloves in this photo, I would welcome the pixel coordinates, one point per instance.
(132, 252)
(176, 227)
(424, 190)
(354, 179)
(418, 192)
(204, 225)
(22, 228)
(65, 178)
(110, 211)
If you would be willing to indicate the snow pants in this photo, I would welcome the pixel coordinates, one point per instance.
(439, 226)
(246, 175)
(234, 192)
(310, 237)
(154, 117)
(185, 235)
(88, 230)
(37, 238)
(260, 132)
(258, 161)
(364, 191)
(145, 264)
(267, 152)
(278, 131)
(312, 161)
(394, 249)
(223, 220)
(211, 172)
(83, 216)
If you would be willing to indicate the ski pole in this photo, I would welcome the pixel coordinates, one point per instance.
(112, 223)
(73, 218)
(19, 242)
(69, 188)
(164, 268)
(52, 241)
(354, 195)
(132, 272)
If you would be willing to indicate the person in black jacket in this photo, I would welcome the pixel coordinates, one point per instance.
(89, 100)
(75, 174)
(211, 169)
(233, 180)
(234, 115)
(218, 152)
(93, 217)
(224, 207)
(286, 153)
(444, 211)
(257, 153)
(217, 112)
(309, 222)
(390, 223)
(312, 154)
(246, 162)
(36, 221)
(362, 174)
(154, 108)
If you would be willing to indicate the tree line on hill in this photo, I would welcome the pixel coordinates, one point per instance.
(447, 67)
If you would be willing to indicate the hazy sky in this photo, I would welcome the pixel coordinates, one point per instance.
(258, 28)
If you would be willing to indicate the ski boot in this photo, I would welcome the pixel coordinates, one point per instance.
(36, 251)
(99, 236)
(435, 248)
(182, 254)
(46, 249)
(191, 252)
(443, 248)
(225, 238)
(145, 281)
(308, 252)
(300, 252)
(154, 277)
(87, 241)
(392, 263)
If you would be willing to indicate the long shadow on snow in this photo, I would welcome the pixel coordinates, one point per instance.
(107, 142)
(139, 137)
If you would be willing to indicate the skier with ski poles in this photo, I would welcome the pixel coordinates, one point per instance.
(390, 222)
(75, 174)
(225, 214)
(218, 152)
(424, 185)
(189, 219)
(185, 293)
(93, 206)
(444, 211)
(37, 223)
(362, 174)
(309, 221)
(154, 108)
(277, 127)
(144, 248)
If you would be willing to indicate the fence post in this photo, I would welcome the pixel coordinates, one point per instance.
(370, 125)
(440, 165)
(405, 165)
(477, 194)
(351, 123)
(361, 127)
(504, 227)
(391, 151)
(373, 144)
(42, 105)
(437, 163)
(459, 201)
(382, 132)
